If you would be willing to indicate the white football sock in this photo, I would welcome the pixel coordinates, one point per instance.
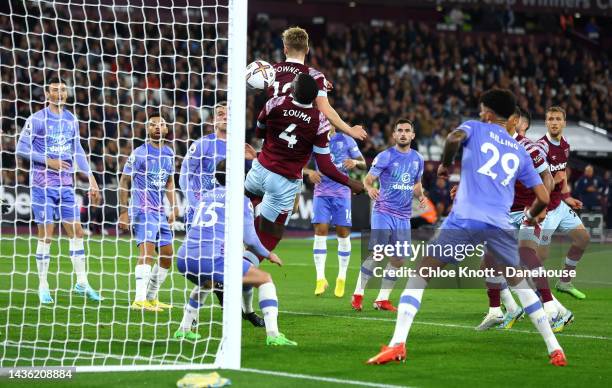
(508, 300)
(409, 304)
(191, 312)
(247, 300)
(551, 309)
(319, 250)
(497, 311)
(365, 273)
(386, 284)
(533, 307)
(562, 310)
(269, 307)
(143, 274)
(42, 263)
(158, 276)
(344, 255)
(77, 256)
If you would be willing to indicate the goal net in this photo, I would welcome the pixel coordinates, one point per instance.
(122, 62)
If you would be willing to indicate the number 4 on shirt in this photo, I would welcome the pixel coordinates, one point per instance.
(286, 135)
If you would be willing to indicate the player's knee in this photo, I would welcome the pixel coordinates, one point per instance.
(321, 230)
(265, 278)
(581, 238)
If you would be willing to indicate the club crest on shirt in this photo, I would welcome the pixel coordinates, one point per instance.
(405, 178)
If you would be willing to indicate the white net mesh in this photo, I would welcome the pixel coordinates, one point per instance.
(122, 62)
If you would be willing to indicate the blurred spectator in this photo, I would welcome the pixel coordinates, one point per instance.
(608, 198)
(589, 189)
(592, 29)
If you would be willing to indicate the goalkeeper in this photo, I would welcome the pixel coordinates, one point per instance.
(200, 259)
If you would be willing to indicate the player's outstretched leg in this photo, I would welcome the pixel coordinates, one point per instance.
(344, 257)
(268, 302)
(533, 308)
(42, 261)
(580, 240)
(189, 323)
(409, 305)
(158, 276)
(319, 251)
(79, 264)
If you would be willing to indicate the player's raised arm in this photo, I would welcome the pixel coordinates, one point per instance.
(451, 147)
(356, 131)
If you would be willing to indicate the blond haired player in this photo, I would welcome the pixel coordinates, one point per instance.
(295, 48)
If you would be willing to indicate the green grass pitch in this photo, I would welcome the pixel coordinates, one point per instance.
(334, 341)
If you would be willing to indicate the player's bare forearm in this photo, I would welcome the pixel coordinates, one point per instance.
(541, 201)
(548, 180)
(331, 114)
(565, 189)
(171, 194)
(418, 191)
(451, 146)
(124, 192)
(361, 163)
(368, 181)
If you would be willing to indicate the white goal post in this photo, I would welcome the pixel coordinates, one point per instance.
(121, 60)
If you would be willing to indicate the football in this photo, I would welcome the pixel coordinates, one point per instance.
(260, 75)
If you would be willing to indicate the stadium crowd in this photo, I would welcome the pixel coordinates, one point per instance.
(378, 74)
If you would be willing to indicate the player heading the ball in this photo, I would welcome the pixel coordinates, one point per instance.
(295, 48)
(293, 130)
(50, 141)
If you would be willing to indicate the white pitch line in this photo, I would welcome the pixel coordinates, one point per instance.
(586, 336)
(321, 378)
(195, 367)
